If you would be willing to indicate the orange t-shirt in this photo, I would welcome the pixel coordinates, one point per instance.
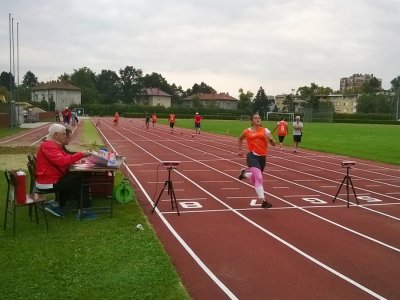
(154, 118)
(257, 140)
(171, 118)
(282, 128)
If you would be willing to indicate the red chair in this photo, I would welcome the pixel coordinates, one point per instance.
(13, 200)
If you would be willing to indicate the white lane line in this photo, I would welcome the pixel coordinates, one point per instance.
(275, 236)
(281, 187)
(393, 193)
(306, 180)
(302, 196)
(216, 181)
(189, 250)
(372, 185)
(24, 134)
(161, 182)
(291, 246)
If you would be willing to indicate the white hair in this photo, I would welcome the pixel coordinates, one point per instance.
(54, 128)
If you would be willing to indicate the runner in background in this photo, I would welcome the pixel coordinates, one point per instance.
(116, 118)
(197, 122)
(282, 131)
(153, 119)
(147, 121)
(171, 121)
(297, 133)
(256, 137)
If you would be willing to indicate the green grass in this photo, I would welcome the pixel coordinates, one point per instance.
(9, 131)
(107, 258)
(367, 141)
(89, 136)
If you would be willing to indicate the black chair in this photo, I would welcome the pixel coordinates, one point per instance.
(32, 199)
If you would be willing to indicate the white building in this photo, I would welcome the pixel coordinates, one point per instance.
(62, 93)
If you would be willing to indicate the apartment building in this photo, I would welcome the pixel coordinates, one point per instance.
(356, 81)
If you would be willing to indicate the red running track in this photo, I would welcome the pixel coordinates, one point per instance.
(225, 246)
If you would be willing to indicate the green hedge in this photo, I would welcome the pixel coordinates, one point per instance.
(138, 111)
(364, 118)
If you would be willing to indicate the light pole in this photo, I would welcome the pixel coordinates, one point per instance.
(292, 100)
(397, 104)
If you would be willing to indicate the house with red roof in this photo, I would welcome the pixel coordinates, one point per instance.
(221, 100)
(154, 97)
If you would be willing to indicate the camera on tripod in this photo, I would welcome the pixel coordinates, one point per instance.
(170, 164)
(348, 163)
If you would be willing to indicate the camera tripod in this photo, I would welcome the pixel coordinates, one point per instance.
(348, 180)
(170, 191)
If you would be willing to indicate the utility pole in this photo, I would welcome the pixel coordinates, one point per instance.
(397, 104)
(292, 100)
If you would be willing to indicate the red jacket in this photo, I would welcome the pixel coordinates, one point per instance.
(52, 162)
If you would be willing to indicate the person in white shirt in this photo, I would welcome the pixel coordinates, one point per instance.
(297, 133)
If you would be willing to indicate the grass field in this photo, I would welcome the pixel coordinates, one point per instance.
(367, 141)
(107, 258)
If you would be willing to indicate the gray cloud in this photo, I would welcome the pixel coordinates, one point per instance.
(279, 45)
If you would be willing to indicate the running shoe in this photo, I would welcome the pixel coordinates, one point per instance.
(242, 173)
(266, 204)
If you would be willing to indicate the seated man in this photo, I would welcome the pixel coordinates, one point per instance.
(52, 165)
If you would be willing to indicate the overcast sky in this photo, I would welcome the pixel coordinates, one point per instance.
(228, 44)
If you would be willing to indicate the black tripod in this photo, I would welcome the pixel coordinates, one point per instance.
(171, 192)
(347, 178)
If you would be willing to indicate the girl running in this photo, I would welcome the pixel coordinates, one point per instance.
(257, 138)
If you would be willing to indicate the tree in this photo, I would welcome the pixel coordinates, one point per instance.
(30, 80)
(64, 77)
(261, 102)
(201, 88)
(372, 103)
(24, 93)
(7, 80)
(395, 84)
(85, 79)
(107, 84)
(155, 80)
(177, 94)
(370, 86)
(130, 84)
(312, 94)
(288, 103)
(245, 100)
